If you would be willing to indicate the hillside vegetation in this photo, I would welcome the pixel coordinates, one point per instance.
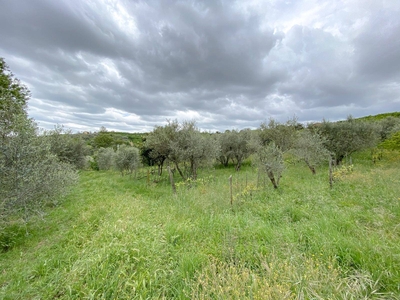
(117, 237)
(111, 138)
(281, 212)
(380, 117)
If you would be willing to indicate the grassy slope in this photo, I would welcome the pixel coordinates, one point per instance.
(380, 116)
(116, 237)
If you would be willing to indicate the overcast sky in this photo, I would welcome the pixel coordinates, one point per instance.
(130, 65)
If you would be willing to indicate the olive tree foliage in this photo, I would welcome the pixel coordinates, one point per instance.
(225, 142)
(388, 126)
(273, 140)
(234, 145)
(269, 160)
(309, 147)
(191, 149)
(183, 145)
(30, 174)
(241, 148)
(282, 134)
(67, 147)
(346, 137)
(127, 159)
(158, 143)
(13, 101)
(105, 158)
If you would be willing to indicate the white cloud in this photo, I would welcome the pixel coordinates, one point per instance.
(131, 65)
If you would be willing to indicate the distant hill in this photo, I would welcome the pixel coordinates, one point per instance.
(392, 140)
(136, 139)
(380, 116)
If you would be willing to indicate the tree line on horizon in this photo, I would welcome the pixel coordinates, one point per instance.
(36, 167)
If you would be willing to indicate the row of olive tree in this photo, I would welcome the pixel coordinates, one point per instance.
(126, 159)
(183, 146)
(313, 145)
(235, 146)
(346, 137)
(186, 148)
(30, 173)
(266, 146)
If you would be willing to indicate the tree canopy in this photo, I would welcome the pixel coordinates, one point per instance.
(30, 174)
(13, 101)
(346, 137)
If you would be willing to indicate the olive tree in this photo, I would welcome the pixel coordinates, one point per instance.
(13, 101)
(234, 145)
(240, 146)
(346, 137)
(190, 149)
(282, 134)
(388, 126)
(105, 158)
(269, 159)
(158, 143)
(181, 144)
(309, 147)
(127, 159)
(226, 145)
(69, 148)
(30, 174)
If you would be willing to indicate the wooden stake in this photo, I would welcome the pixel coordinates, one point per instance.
(231, 189)
(171, 179)
(330, 173)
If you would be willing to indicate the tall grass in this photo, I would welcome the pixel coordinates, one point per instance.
(116, 237)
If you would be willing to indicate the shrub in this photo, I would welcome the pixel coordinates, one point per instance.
(105, 158)
(127, 159)
(30, 174)
(68, 148)
(344, 138)
(392, 143)
(341, 172)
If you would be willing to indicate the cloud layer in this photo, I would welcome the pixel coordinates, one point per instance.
(130, 65)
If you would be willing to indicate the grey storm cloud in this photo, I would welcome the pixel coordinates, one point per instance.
(130, 65)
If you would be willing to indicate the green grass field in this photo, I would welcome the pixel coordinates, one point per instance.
(119, 237)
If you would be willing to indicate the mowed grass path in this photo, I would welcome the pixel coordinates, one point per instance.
(119, 238)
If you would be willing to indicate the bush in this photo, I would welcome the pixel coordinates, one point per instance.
(127, 159)
(105, 158)
(341, 172)
(103, 140)
(68, 148)
(346, 137)
(30, 174)
(392, 143)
